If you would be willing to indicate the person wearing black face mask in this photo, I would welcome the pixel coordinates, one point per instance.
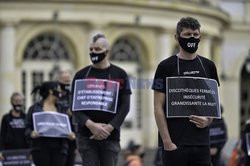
(98, 128)
(64, 79)
(13, 126)
(47, 150)
(185, 138)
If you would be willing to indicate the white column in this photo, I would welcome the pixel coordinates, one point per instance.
(7, 66)
(205, 49)
(230, 96)
(247, 8)
(217, 57)
(165, 46)
(150, 131)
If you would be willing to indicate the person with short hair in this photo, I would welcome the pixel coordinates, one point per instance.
(98, 129)
(184, 141)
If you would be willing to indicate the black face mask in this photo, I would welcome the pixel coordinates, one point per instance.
(97, 57)
(65, 87)
(57, 93)
(18, 107)
(189, 45)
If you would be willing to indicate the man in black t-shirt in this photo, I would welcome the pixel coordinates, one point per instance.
(98, 126)
(184, 141)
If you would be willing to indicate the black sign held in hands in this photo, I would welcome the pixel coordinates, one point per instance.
(187, 96)
(95, 94)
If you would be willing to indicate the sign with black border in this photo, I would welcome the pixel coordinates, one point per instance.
(187, 96)
(51, 124)
(95, 94)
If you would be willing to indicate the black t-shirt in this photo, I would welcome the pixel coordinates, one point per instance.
(183, 132)
(111, 73)
(12, 132)
(64, 100)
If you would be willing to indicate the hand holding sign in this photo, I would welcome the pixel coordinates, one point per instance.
(186, 96)
(72, 136)
(1, 157)
(51, 124)
(34, 134)
(199, 121)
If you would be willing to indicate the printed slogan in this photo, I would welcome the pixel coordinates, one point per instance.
(187, 96)
(95, 94)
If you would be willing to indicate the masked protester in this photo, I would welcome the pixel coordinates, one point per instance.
(64, 79)
(46, 151)
(13, 126)
(98, 124)
(184, 141)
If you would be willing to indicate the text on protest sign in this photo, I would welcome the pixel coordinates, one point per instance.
(19, 157)
(217, 131)
(51, 124)
(95, 94)
(187, 96)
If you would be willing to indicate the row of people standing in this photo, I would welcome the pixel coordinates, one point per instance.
(17, 130)
(98, 129)
(98, 132)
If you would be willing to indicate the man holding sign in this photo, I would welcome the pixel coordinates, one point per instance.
(101, 99)
(185, 137)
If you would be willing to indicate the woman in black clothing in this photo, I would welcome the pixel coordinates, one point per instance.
(46, 151)
(13, 126)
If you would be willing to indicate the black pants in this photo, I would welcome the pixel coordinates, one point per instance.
(48, 157)
(216, 159)
(98, 153)
(70, 159)
(187, 156)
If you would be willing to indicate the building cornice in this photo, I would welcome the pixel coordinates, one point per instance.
(178, 6)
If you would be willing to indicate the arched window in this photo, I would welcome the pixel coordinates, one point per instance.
(46, 47)
(43, 56)
(123, 50)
